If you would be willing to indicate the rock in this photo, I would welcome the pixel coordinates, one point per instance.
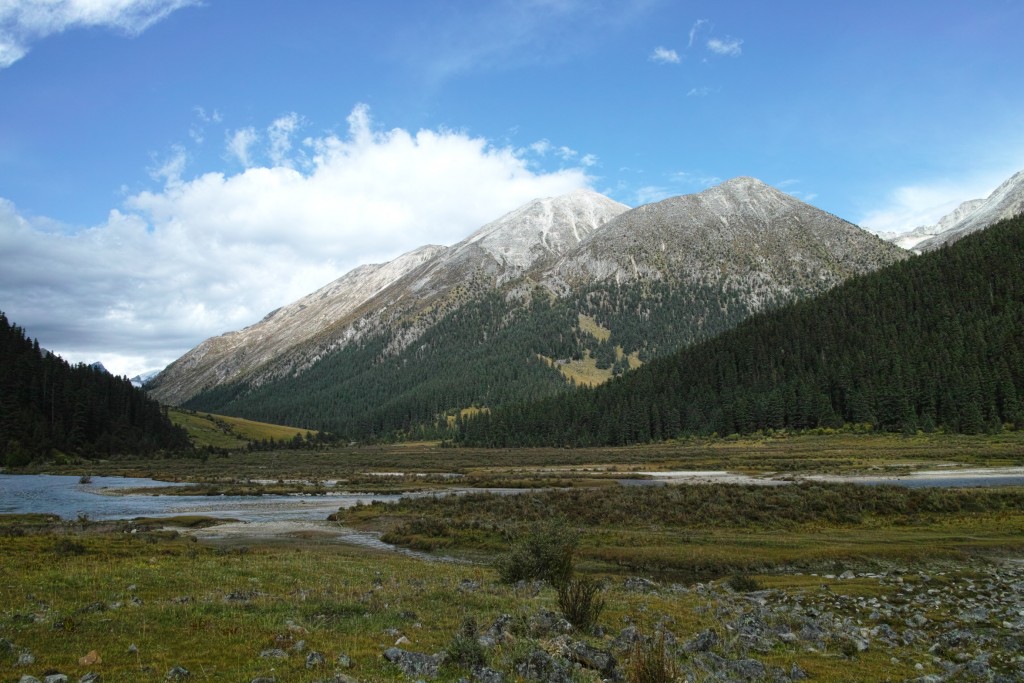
(344, 661)
(847, 575)
(90, 677)
(628, 638)
(91, 658)
(133, 649)
(976, 615)
(403, 641)
(592, 658)
(469, 586)
(26, 658)
(482, 674)
(542, 667)
(264, 679)
(178, 673)
(747, 669)
(545, 624)
(56, 678)
(299, 646)
(28, 679)
(315, 660)
(640, 585)
(274, 653)
(413, 664)
(702, 642)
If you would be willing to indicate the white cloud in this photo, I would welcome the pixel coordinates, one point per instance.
(912, 206)
(588, 160)
(240, 145)
(703, 91)
(697, 25)
(280, 133)
(651, 193)
(541, 147)
(24, 22)
(216, 252)
(663, 55)
(729, 47)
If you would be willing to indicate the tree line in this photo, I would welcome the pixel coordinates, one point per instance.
(48, 405)
(934, 342)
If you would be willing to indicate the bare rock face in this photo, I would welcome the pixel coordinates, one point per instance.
(742, 234)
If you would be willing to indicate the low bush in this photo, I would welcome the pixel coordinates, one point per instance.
(581, 602)
(545, 552)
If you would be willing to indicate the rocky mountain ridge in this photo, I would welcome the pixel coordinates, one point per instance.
(718, 255)
(1006, 201)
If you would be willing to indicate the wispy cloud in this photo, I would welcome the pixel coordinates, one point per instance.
(695, 29)
(729, 47)
(914, 205)
(240, 144)
(25, 22)
(508, 34)
(702, 91)
(280, 134)
(663, 55)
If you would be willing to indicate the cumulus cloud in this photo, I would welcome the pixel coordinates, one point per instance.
(203, 255)
(24, 22)
(729, 47)
(663, 55)
(280, 134)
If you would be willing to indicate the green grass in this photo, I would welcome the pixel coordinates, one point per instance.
(221, 431)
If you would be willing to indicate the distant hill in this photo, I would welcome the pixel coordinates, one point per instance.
(933, 342)
(48, 405)
(570, 289)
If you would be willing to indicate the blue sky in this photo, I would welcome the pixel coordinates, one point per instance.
(172, 169)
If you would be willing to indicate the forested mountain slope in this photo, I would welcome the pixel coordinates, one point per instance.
(574, 287)
(47, 404)
(934, 342)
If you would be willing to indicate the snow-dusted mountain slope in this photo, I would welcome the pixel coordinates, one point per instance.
(1006, 201)
(742, 234)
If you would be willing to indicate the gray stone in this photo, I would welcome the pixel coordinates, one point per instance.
(589, 657)
(542, 667)
(90, 677)
(545, 624)
(702, 642)
(28, 679)
(264, 679)
(56, 678)
(482, 674)
(274, 653)
(413, 664)
(315, 660)
(178, 673)
(640, 585)
(344, 661)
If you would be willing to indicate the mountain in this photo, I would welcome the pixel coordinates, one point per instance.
(742, 234)
(569, 289)
(140, 380)
(412, 292)
(935, 342)
(1006, 201)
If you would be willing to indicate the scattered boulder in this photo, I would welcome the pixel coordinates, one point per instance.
(541, 667)
(413, 664)
(274, 653)
(315, 660)
(702, 642)
(178, 673)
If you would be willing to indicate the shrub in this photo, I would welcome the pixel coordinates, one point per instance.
(465, 649)
(743, 583)
(580, 602)
(546, 552)
(649, 662)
